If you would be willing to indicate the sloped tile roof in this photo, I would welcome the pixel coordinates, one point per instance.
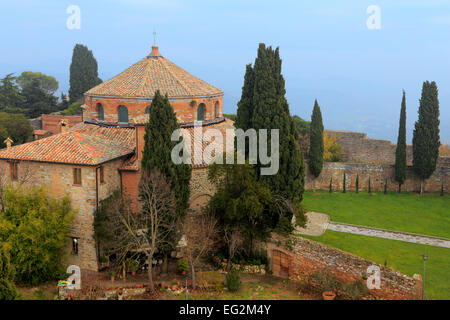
(84, 144)
(153, 73)
(189, 131)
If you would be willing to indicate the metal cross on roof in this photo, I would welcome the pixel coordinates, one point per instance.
(154, 37)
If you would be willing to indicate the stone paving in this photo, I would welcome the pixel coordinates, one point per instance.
(389, 234)
(316, 225)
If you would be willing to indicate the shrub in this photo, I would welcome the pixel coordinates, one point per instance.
(73, 109)
(183, 265)
(7, 290)
(355, 290)
(233, 281)
(6, 268)
(36, 228)
(324, 280)
(333, 151)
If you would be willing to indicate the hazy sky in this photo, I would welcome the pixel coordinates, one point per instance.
(328, 52)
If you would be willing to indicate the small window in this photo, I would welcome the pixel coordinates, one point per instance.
(75, 246)
(14, 165)
(101, 112)
(102, 175)
(77, 176)
(147, 110)
(201, 112)
(123, 114)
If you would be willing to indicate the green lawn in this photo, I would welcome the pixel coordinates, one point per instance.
(409, 212)
(401, 256)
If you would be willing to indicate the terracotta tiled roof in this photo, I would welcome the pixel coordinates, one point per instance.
(40, 132)
(222, 127)
(153, 73)
(84, 144)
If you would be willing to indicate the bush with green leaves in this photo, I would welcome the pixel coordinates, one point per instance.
(6, 268)
(7, 290)
(324, 280)
(233, 280)
(73, 109)
(36, 228)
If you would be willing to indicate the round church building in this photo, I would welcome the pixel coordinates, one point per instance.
(126, 98)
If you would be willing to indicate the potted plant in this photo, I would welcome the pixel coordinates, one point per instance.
(132, 266)
(183, 266)
(113, 275)
(328, 295)
(104, 261)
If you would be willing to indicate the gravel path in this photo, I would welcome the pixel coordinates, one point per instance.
(389, 234)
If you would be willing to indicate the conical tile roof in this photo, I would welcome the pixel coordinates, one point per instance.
(153, 73)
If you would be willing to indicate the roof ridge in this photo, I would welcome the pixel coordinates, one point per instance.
(181, 82)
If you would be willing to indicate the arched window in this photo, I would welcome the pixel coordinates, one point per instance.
(201, 112)
(216, 109)
(101, 112)
(147, 110)
(123, 114)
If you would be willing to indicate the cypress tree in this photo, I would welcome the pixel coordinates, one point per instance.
(400, 152)
(442, 189)
(83, 72)
(369, 189)
(385, 186)
(357, 183)
(157, 155)
(316, 141)
(331, 185)
(271, 111)
(245, 105)
(158, 148)
(426, 133)
(344, 187)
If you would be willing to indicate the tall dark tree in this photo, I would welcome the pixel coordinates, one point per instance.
(426, 133)
(245, 105)
(157, 155)
(316, 141)
(400, 152)
(10, 98)
(271, 111)
(83, 72)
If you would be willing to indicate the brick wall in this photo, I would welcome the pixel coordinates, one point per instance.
(303, 257)
(52, 122)
(378, 174)
(136, 108)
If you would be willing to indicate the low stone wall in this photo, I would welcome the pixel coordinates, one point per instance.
(301, 257)
(378, 174)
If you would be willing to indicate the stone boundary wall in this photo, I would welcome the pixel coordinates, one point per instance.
(359, 148)
(304, 257)
(378, 174)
